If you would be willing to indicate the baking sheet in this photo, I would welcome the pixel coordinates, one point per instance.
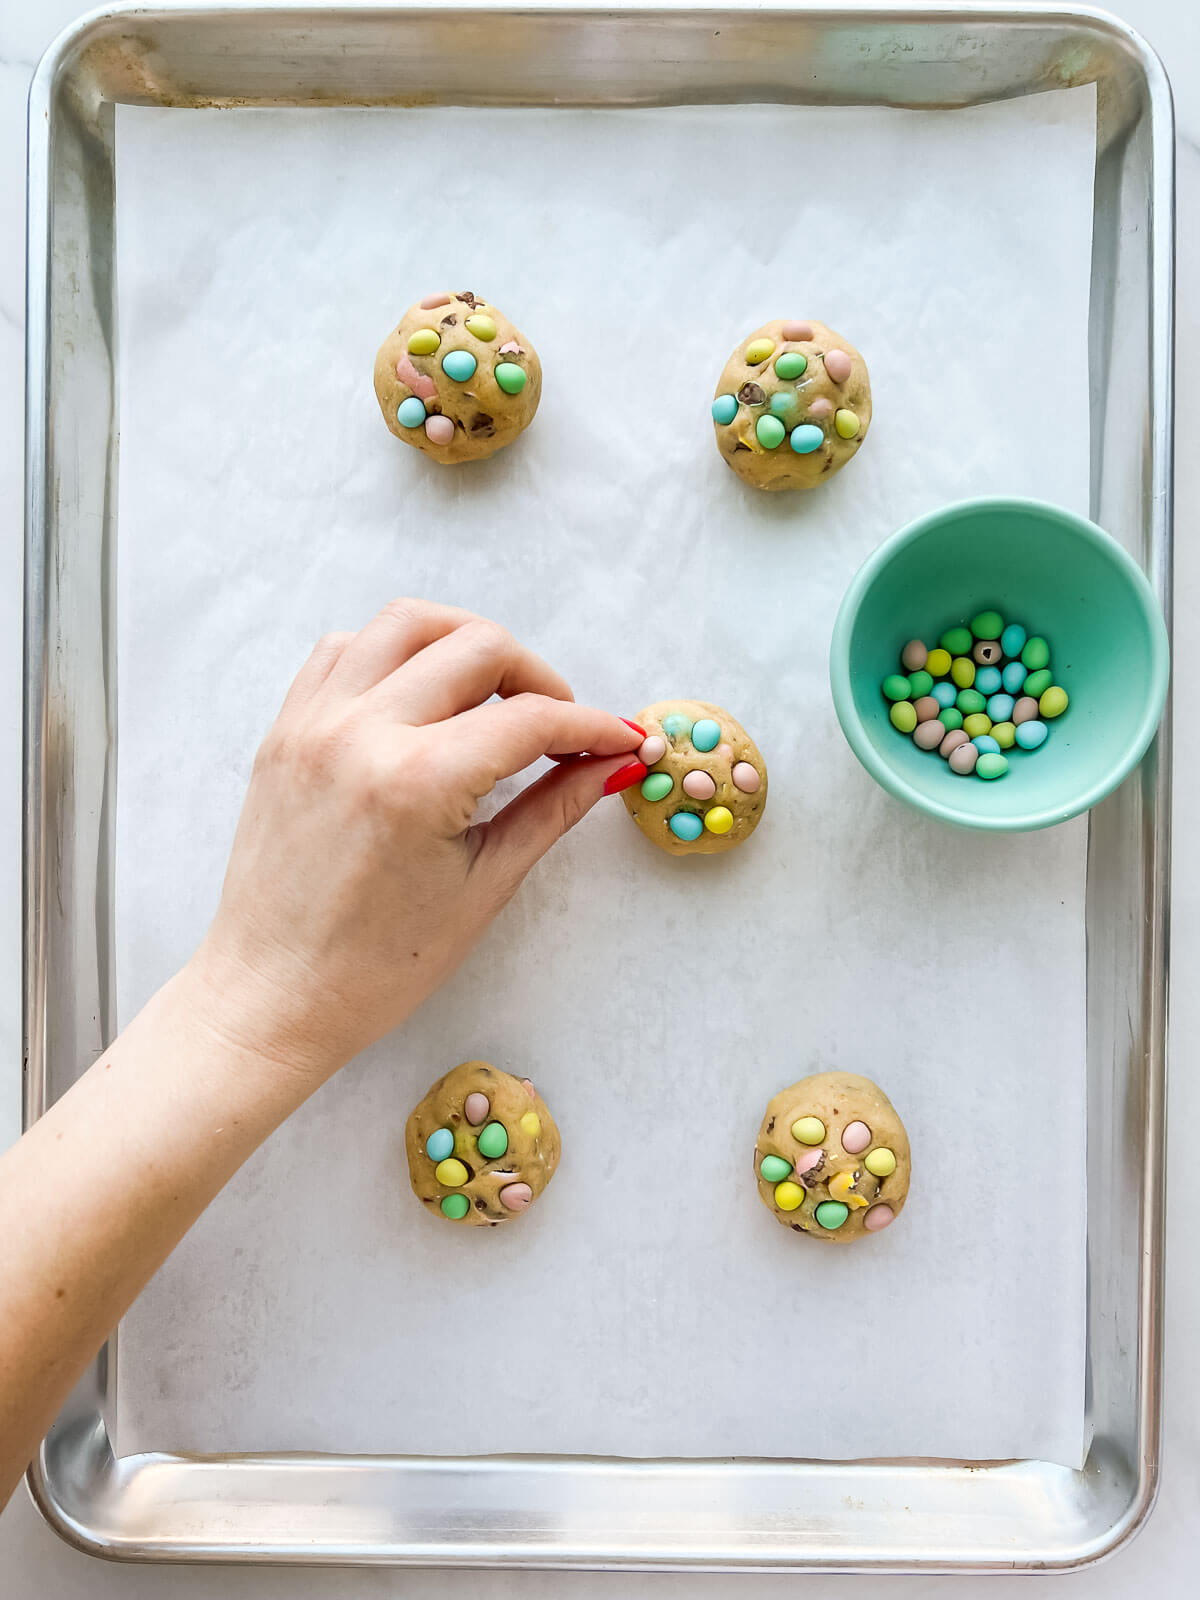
(647, 1305)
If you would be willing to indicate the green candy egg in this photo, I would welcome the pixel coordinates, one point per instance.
(919, 683)
(510, 377)
(831, 1214)
(903, 715)
(990, 766)
(896, 687)
(770, 432)
(1053, 702)
(970, 702)
(951, 718)
(676, 726)
(493, 1141)
(1037, 683)
(957, 640)
(791, 364)
(1036, 654)
(455, 1206)
(987, 625)
(774, 1169)
(657, 786)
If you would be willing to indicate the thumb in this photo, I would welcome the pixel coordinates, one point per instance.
(525, 829)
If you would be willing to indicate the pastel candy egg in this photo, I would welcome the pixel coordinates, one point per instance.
(970, 701)
(424, 342)
(769, 431)
(937, 662)
(439, 1144)
(724, 407)
(806, 438)
(686, 825)
(821, 407)
(782, 402)
(676, 726)
(964, 759)
(903, 716)
(774, 1169)
(451, 1174)
(987, 625)
(914, 656)
(699, 785)
(1053, 702)
(962, 670)
(846, 422)
(482, 327)
(510, 348)
(1037, 683)
(841, 1187)
(411, 412)
(953, 741)
(957, 641)
(881, 1163)
(977, 723)
(706, 733)
(808, 1130)
(919, 683)
(511, 377)
(1012, 640)
(1032, 735)
(797, 330)
(951, 718)
(718, 820)
(475, 1108)
(944, 694)
(439, 430)
(789, 1196)
(432, 300)
(896, 687)
(724, 752)
(1000, 707)
(758, 350)
(1025, 709)
(493, 1141)
(991, 767)
(791, 364)
(807, 1159)
(459, 365)
(657, 786)
(1036, 654)
(878, 1217)
(831, 1214)
(856, 1136)
(455, 1206)
(928, 735)
(746, 778)
(516, 1196)
(837, 365)
(653, 749)
(926, 708)
(531, 1124)
(1005, 734)
(1013, 678)
(985, 743)
(988, 680)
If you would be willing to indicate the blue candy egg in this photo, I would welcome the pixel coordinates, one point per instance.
(706, 734)
(676, 725)
(686, 825)
(459, 365)
(1014, 676)
(724, 408)
(1000, 707)
(988, 680)
(439, 1144)
(806, 438)
(985, 744)
(411, 413)
(1012, 640)
(1030, 735)
(944, 694)
(783, 402)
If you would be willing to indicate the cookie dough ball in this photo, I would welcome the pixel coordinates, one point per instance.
(456, 379)
(707, 783)
(832, 1158)
(481, 1146)
(793, 405)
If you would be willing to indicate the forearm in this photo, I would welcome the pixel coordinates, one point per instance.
(100, 1191)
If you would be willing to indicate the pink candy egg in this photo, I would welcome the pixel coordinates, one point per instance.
(512, 348)
(1025, 710)
(422, 386)
(877, 1217)
(699, 785)
(808, 1159)
(439, 430)
(929, 735)
(516, 1196)
(856, 1136)
(432, 300)
(951, 742)
(797, 330)
(654, 749)
(914, 656)
(963, 760)
(821, 408)
(926, 708)
(837, 365)
(476, 1108)
(746, 778)
(529, 1089)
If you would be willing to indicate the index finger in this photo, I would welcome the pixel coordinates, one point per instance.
(504, 737)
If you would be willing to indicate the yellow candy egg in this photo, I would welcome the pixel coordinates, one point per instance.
(808, 1130)
(719, 819)
(846, 423)
(937, 663)
(788, 1196)
(424, 342)
(451, 1173)
(531, 1124)
(482, 327)
(758, 350)
(881, 1163)
(841, 1187)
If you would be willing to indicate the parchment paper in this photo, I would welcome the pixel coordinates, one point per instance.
(648, 1304)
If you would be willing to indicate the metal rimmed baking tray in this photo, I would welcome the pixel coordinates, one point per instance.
(572, 1511)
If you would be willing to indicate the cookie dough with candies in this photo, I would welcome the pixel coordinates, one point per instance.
(832, 1158)
(792, 406)
(481, 1146)
(456, 379)
(707, 782)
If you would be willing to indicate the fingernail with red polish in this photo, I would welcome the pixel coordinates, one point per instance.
(625, 777)
(634, 726)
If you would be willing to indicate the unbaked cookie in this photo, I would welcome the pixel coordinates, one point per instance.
(456, 379)
(481, 1145)
(793, 405)
(707, 784)
(832, 1157)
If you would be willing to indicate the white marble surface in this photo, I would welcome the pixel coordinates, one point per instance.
(1163, 1560)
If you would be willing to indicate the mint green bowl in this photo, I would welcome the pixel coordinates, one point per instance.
(1056, 574)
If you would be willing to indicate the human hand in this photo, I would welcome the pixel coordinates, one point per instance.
(359, 877)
